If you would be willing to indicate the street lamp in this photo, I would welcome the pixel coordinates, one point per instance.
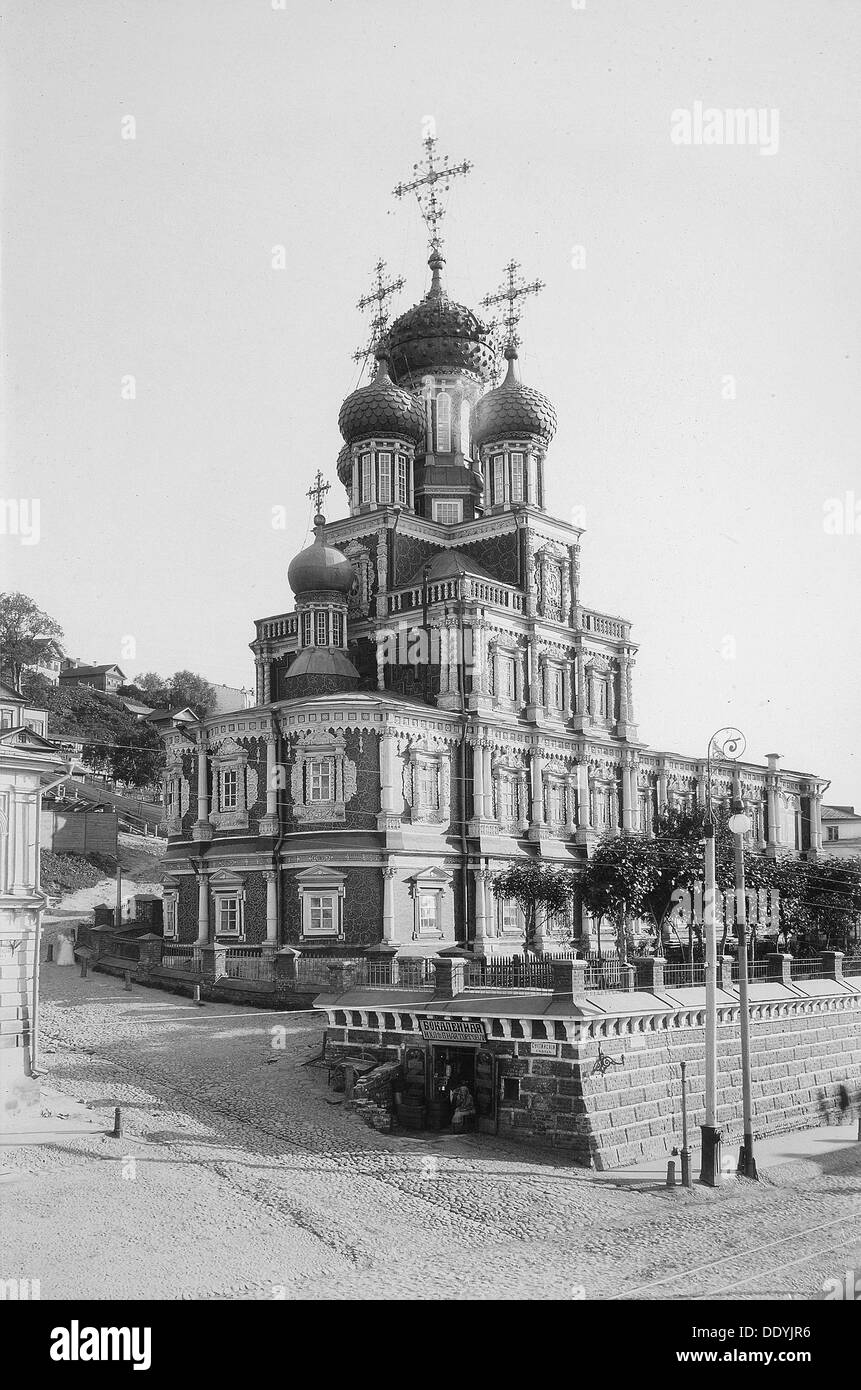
(726, 744)
(740, 824)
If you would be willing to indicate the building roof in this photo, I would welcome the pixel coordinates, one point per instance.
(8, 694)
(447, 564)
(840, 813)
(91, 671)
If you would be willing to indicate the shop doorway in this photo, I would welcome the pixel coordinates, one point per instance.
(461, 1089)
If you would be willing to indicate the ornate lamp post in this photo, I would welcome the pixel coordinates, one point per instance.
(740, 823)
(726, 744)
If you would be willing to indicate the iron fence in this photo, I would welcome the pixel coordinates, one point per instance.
(177, 956)
(248, 963)
(691, 973)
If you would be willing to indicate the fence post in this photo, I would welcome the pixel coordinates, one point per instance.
(832, 965)
(780, 967)
(650, 972)
(726, 972)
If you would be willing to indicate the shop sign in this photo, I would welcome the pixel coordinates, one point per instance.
(543, 1049)
(452, 1030)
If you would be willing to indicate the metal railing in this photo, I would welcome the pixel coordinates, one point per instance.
(248, 963)
(852, 965)
(511, 972)
(177, 956)
(690, 974)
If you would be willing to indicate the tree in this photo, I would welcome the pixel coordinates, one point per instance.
(626, 878)
(187, 688)
(23, 630)
(153, 688)
(535, 887)
(139, 760)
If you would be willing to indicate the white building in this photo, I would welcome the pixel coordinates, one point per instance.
(841, 831)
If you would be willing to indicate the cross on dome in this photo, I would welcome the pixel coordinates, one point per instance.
(316, 494)
(379, 293)
(427, 173)
(514, 288)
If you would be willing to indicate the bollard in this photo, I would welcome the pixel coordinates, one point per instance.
(84, 967)
(197, 998)
(127, 976)
(671, 1173)
(686, 1168)
(118, 1123)
(859, 1129)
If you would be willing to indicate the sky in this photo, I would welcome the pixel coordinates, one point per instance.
(698, 333)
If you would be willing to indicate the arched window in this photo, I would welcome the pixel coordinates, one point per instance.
(517, 477)
(384, 489)
(443, 423)
(402, 481)
(321, 636)
(306, 629)
(498, 479)
(337, 629)
(464, 428)
(366, 478)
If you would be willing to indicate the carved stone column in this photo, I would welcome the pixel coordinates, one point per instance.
(662, 790)
(815, 818)
(389, 933)
(478, 781)
(382, 568)
(522, 801)
(483, 896)
(537, 786)
(202, 830)
(570, 804)
(628, 811)
(487, 759)
(565, 597)
(271, 879)
(267, 680)
(202, 909)
(269, 822)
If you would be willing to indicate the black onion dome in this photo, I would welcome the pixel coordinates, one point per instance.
(320, 566)
(439, 335)
(381, 409)
(344, 467)
(513, 411)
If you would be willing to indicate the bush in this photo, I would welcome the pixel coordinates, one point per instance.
(65, 873)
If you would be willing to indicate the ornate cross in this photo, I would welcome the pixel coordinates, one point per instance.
(426, 175)
(378, 295)
(516, 288)
(318, 491)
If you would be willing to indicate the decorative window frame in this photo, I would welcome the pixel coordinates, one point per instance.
(514, 774)
(232, 757)
(316, 746)
(176, 794)
(227, 886)
(456, 502)
(440, 761)
(170, 909)
(443, 422)
(505, 907)
(437, 882)
(321, 881)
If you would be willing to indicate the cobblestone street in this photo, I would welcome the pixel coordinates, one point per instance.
(250, 1180)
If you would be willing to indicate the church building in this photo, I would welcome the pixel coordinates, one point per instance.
(439, 699)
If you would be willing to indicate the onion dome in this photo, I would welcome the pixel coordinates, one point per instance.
(381, 409)
(320, 566)
(344, 467)
(513, 411)
(439, 335)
